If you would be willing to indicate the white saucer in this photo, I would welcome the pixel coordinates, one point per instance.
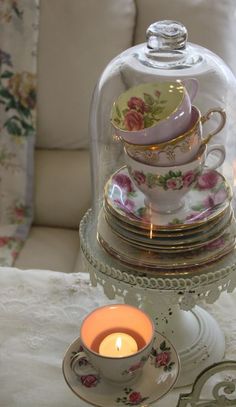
(203, 203)
(158, 377)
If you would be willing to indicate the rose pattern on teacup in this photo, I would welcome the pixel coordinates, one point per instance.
(140, 113)
(135, 367)
(90, 380)
(153, 112)
(172, 180)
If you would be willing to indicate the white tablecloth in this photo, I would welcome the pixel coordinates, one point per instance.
(40, 315)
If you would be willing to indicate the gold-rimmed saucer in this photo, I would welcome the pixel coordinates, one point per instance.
(159, 376)
(149, 232)
(203, 203)
(171, 248)
(125, 252)
(171, 239)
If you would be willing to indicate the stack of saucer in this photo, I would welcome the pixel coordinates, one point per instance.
(200, 232)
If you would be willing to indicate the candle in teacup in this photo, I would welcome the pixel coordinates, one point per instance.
(114, 339)
(118, 345)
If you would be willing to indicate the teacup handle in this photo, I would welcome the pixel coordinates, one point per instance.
(191, 85)
(81, 365)
(207, 117)
(221, 149)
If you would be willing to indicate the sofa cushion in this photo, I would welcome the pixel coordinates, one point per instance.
(50, 248)
(210, 23)
(62, 187)
(77, 40)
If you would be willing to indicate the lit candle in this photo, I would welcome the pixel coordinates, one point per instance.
(118, 345)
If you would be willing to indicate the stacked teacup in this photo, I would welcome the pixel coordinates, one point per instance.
(162, 133)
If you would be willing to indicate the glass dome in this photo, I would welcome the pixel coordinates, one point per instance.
(166, 55)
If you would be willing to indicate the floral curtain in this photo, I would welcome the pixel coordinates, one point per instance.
(18, 46)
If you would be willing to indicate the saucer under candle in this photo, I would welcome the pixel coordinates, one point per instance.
(118, 344)
(157, 379)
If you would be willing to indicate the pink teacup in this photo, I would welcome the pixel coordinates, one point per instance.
(165, 187)
(181, 149)
(154, 112)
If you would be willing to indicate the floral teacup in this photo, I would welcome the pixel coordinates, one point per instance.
(96, 335)
(154, 112)
(181, 149)
(165, 187)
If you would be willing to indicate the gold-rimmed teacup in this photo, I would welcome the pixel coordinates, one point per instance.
(181, 149)
(165, 187)
(154, 112)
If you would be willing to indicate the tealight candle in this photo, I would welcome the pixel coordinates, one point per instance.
(118, 344)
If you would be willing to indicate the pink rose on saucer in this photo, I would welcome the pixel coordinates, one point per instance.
(207, 180)
(135, 367)
(133, 120)
(135, 397)
(216, 244)
(131, 397)
(89, 380)
(162, 359)
(215, 199)
(123, 181)
(127, 205)
(195, 216)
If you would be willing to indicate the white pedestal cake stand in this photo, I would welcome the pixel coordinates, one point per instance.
(170, 300)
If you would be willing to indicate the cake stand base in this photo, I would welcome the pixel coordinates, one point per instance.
(197, 338)
(170, 300)
(194, 333)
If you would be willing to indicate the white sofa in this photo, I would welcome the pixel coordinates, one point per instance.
(77, 40)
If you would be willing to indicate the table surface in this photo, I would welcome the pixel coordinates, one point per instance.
(40, 315)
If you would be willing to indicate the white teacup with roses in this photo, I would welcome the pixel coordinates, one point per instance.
(90, 364)
(165, 187)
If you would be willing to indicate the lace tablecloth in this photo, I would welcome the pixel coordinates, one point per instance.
(40, 315)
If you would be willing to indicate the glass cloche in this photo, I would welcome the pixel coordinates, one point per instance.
(155, 198)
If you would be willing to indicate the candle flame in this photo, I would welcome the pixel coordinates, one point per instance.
(118, 343)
